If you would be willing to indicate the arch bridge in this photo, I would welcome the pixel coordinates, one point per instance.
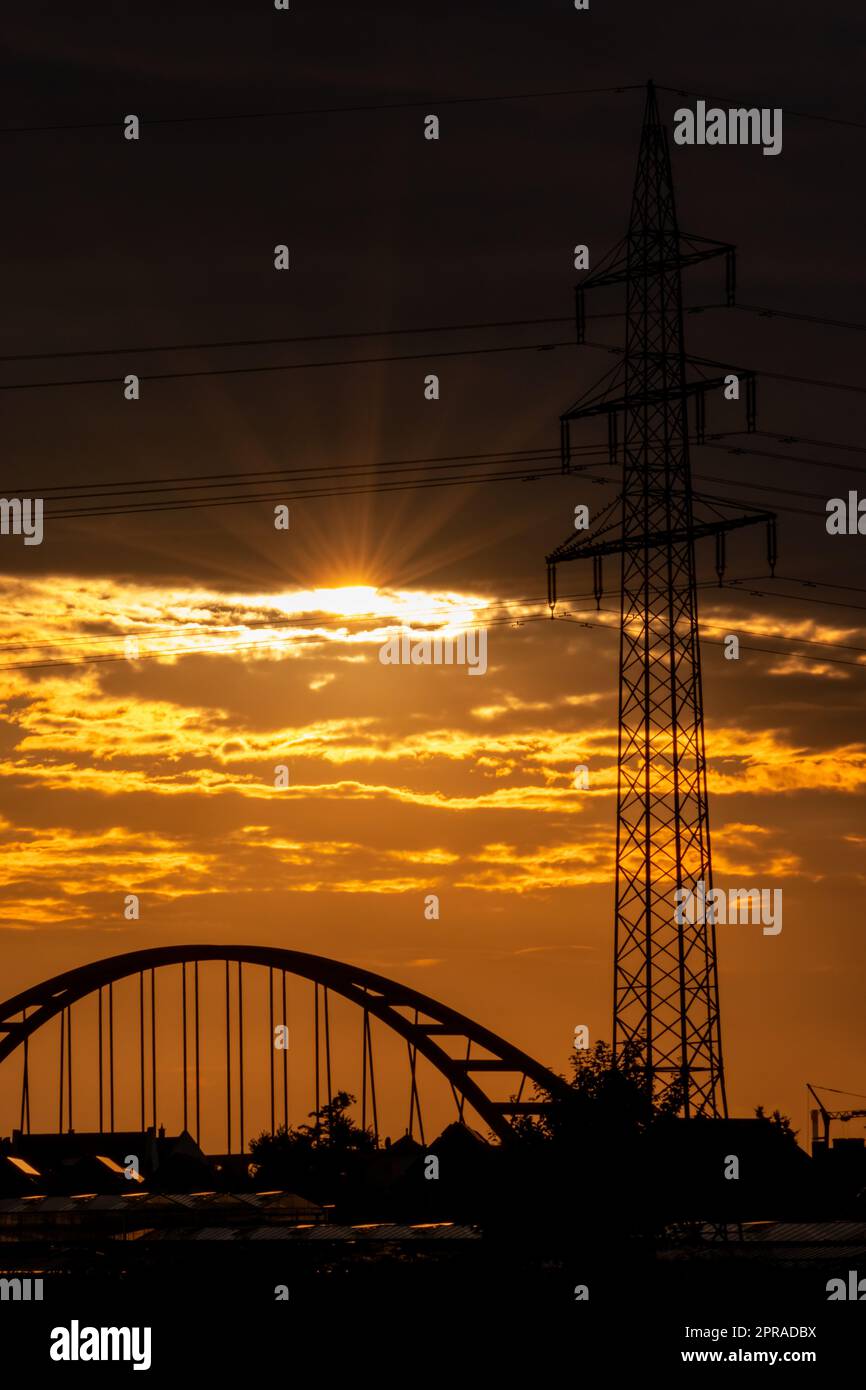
(470, 1057)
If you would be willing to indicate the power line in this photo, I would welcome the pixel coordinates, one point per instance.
(783, 637)
(527, 471)
(74, 492)
(812, 381)
(244, 646)
(394, 357)
(777, 636)
(783, 438)
(495, 622)
(219, 344)
(202, 482)
(821, 584)
(14, 644)
(801, 598)
(218, 631)
(292, 366)
(327, 110)
(768, 487)
(304, 338)
(788, 111)
(780, 458)
(744, 646)
(759, 371)
(194, 504)
(260, 477)
(767, 313)
(777, 506)
(360, 107)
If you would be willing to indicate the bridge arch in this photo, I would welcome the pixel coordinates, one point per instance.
(22, 1015)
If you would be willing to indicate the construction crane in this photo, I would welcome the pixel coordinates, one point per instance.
(828, 1115)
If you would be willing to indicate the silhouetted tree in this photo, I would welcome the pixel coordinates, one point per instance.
(585, 1152)
(315, 1156)
(609, 1099)
(781, 1125)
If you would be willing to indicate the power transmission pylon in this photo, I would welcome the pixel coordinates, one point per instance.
(666, 995)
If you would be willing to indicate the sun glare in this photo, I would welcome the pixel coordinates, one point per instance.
(387, 606)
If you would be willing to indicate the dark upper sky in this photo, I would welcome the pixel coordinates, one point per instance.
(170, 240)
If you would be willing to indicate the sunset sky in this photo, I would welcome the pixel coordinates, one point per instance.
(154, 774)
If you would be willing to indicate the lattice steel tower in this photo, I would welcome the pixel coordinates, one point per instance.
(666, 995)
